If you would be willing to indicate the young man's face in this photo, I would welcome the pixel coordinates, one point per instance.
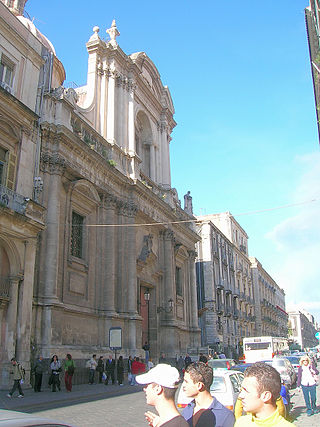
(251, 398)
(150, 391)
(190, 388)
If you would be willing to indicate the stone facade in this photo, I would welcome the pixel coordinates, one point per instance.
(312, 14)
(225, 291)
(102, 225)
(270, 309)
(302, 329)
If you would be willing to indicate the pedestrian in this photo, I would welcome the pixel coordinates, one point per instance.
(18, 377)
(180, 365)
(69, 367)
(150, 364)
(55, 367)
(222, 356)
(204, 410)
(100, 368)
(38, 370)
(162, 358)
(137, 368)
(120, 370)
(92, 368)
(259, 392)
(187, 361)
(146, 348)
(110, 367)
(160, 388)
(203, 358)
(130, 370)
(307, 381)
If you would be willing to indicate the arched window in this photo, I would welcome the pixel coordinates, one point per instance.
(143, 135)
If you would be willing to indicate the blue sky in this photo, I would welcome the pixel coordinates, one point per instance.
(246, 139)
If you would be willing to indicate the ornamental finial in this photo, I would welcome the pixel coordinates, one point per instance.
(113, 33)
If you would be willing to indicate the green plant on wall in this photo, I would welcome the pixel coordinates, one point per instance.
(111, 162)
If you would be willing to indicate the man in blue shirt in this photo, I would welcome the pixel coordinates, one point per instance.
(196, 384)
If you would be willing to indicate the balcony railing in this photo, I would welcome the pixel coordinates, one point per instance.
(12, 200)
(4, 287)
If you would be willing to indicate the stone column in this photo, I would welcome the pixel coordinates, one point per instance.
(53, 165)
(111, 107)
(131, 128)
(152, 163)
(109, 205)
(193, 290)
(11, 318)
(25, 305)
(168, 238)
(121, 285)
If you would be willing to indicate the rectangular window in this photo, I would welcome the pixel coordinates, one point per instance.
(6, 73)
(3, 164)
(77, 235)
(178, 281)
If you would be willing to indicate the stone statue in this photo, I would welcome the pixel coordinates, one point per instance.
(188, 203)
(146, 248)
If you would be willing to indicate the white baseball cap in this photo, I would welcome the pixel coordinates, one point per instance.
(162, 374)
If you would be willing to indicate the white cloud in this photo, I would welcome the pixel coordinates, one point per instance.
(297, 242)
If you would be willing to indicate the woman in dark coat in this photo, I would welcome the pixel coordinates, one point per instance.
(120, 370)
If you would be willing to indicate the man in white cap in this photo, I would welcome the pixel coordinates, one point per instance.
(160, 388)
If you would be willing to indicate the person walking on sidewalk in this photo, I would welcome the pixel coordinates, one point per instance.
(38, 370)
(100, 368)
(69, 367)
(55, 367)
(307, 381)
(110, 367)
(259, 392)
(120, 370)
(18, 377)
(92, 368)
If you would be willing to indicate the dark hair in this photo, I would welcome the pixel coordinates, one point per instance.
(200, 372)
(53, 358)
(267, 377)
(13, 359)
(69, 357)
(101, 357)
(120, 358)
(94, 355)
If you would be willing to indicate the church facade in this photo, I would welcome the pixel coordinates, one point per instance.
(114, 251)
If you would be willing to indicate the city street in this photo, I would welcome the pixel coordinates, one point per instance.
(100, 405)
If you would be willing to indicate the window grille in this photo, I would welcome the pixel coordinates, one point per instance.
(77, 235)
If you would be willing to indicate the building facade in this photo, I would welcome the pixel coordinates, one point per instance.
(270, 310)
(111, 247)
(312, 14)
(302, 330)
(225, 291)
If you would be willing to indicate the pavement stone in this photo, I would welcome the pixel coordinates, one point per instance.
(299, 412)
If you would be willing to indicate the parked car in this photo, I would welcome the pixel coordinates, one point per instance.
(20, 419)
(285, 369)
(221, 363)
(295, 362)
(242, 367)
(225, 387)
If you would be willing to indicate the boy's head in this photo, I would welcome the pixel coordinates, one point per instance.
(197, 378)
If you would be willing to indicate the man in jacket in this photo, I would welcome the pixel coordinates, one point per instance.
(18, 375)
(38, 370)
(110, 367)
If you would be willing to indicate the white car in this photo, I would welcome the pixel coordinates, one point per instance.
(225, 387)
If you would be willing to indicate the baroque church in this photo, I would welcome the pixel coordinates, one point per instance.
(94, 243)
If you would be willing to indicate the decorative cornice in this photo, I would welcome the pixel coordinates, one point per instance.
(53, 163)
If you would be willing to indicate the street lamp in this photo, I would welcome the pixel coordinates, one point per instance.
(168, 309)
(147, 299)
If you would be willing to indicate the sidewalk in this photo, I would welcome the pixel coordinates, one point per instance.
(46, 399)
(299, 412)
